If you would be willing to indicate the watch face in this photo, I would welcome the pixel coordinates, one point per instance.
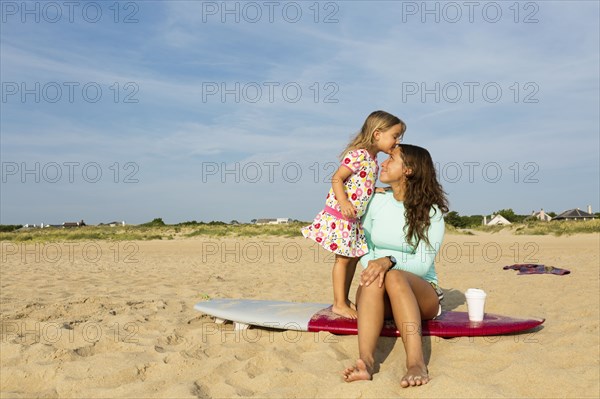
(393, 260)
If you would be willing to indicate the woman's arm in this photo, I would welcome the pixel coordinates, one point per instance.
(421, 260)
(367, 225)
(373, 268)
(417, 263)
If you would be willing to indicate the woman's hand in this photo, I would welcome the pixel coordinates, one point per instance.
(347, 209)
(376, 269)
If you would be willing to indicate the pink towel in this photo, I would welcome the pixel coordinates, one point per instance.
(532, 268)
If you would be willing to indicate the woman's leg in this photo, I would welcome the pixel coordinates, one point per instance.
(341, 285)
(370, 302)
(412, 299)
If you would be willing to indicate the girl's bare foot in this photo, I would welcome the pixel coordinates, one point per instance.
(415, 376)
(357, 372)
(344, 311)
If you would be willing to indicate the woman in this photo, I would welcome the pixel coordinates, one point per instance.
(404, 229)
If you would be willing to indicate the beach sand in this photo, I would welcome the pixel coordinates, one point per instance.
(116, 319)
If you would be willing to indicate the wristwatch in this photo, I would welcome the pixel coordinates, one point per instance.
(393, 260)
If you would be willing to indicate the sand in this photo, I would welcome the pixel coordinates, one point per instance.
(101, 319)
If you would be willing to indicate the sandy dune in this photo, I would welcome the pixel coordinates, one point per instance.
(101, 319)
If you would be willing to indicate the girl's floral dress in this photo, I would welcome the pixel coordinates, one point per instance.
(331, 229)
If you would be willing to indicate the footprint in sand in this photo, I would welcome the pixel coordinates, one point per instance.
(200, 391)
(171, 340)
(85, 351)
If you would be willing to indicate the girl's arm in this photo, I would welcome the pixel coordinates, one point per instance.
(337, 183)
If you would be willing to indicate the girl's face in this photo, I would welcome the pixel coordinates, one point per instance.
(393, 169)
(386, 140)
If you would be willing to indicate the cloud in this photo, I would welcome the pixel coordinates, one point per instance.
(365, 61)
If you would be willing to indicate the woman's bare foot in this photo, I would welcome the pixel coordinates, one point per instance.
(344, 311)
(357, 372)
(415, 376)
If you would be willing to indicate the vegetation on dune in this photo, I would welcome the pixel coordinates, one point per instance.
(530, 227)
(9, 227)
(154, 230)
(118, 233)
(455, 219)
(158, 230)
(521, 224)
(559, 228)
(249, 230)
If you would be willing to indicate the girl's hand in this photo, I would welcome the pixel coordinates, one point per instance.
(376, 269)
(348, 209)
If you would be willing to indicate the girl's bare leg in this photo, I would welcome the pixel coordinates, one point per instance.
(341, 286)
(412, 299)
(350, 270)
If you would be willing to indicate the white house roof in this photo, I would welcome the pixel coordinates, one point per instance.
(498, 219)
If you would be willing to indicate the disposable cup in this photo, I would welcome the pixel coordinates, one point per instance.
(475, 303)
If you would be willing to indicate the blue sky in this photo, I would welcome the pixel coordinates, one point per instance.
(190, 110)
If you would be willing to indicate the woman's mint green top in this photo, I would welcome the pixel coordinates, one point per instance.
(384, 223)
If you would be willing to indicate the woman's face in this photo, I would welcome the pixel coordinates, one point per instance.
(393, 168)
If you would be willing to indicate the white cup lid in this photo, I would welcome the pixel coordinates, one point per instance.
(475, 292)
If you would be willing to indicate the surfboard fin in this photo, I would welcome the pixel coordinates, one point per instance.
(240, 326)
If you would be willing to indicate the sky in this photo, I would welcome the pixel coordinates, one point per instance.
(202, 110)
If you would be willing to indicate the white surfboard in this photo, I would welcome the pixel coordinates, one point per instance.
(271, 314)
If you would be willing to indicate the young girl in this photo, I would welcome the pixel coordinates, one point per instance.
(337, 228)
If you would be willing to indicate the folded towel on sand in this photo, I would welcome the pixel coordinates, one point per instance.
(533, 268)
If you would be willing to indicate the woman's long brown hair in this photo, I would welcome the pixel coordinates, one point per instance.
(422, 192)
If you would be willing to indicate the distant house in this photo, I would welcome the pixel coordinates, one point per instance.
(541, 215)
(576, 214)
(113, 224)
(273, 221)
(73, 224)
(40, 226)
(495, 220)
(32, 226)
(46, 225)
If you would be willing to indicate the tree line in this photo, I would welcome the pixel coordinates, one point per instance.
(454, 219)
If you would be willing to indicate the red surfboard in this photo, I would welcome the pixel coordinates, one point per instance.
(448, 324)
(314, 317)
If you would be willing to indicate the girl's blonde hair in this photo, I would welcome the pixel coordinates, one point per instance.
(378, 120)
